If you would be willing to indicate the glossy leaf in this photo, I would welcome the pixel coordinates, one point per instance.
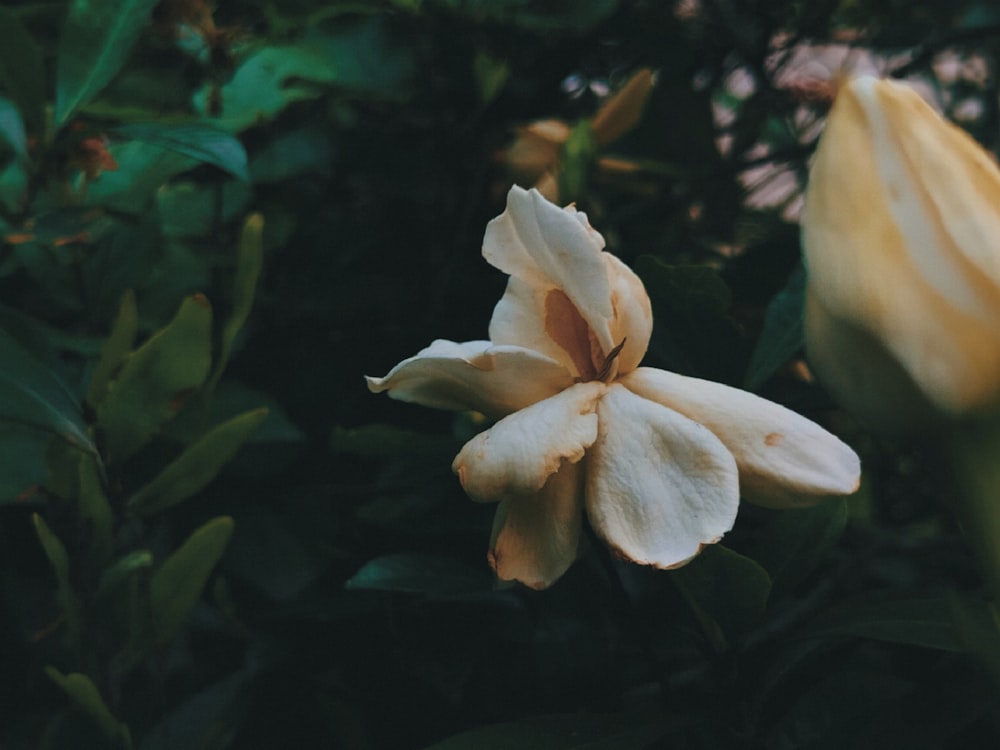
(177, 584)
(115, 350)
(196, 466)
(84, 692)
(31, 395)
(203, 143)
(96, 40)
(142, 169)
(22, 69)
(156, 379)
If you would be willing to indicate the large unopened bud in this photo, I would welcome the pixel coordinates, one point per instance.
(902, 244)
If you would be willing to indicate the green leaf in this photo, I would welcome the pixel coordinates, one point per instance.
(22, 69)
(142, 170)
(31, 395)
(12, 127)
(783, 335)
(426, 574)
(119, 343)
(85, 693)
(96, 40)
(59, 560)
(491, 75)
(196, 466)
(797, 539)
(122, 570)
(922, 621)
(189, 209)
(156, 379)
(22, 462)
(576, 158)
(362, 58)
(203, 143)
(94, 508)
(726, 591)
(177, 585)
(305, 150)
(248, 267)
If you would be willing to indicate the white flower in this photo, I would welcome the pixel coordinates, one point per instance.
(656, 460)
(900, 239)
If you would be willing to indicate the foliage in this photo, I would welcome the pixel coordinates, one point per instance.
(215, 219)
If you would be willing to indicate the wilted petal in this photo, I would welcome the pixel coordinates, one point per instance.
(537, 537)
(784, 459)
(495, 380)
(520, 452)
(900, 236)
(553, 248)
(658, 486)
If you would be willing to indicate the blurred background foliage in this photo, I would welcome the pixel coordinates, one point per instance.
(216, 217)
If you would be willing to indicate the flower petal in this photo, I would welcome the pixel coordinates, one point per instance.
(784, 459)
(658, 486)
(554, 248)
(899, 239)
(537, 537)
(633, 314)
(520, 452)
(495, 380)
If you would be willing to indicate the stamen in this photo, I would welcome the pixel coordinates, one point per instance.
(609, 360)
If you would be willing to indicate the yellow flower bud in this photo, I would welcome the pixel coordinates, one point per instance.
(902, 244)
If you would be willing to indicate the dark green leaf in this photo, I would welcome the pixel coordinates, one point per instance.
(196, 466)
(570, 732)
(22, 69)
(81, 689)
(925, 621)
(249, 262)
(94, 508)
(177, 584)
(783, 335)
(116, 348)
(576, 158)
(122, 570)
(142, 169)
(553, 16)
(203, 143)
(726, 591)
(12, 128)
(796, 539)
(22, 462)
(425, 574)
(31, 395)
(59, 560)
(96, 40)
(156, 379)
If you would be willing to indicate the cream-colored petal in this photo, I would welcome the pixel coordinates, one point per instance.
(551, 247)
(495, 380)
(633, 314)
(537, 537)
(520, 452)
(519, 320)
(899, 237)
(784, 459)
(658, 486)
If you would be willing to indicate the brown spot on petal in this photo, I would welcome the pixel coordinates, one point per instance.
(773, 438)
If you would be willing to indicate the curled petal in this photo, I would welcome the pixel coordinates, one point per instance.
(784, 459)
(537, 537)
(554, 248)
(518, 454)
(495, 380)
(633, 314)
(658, 485)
